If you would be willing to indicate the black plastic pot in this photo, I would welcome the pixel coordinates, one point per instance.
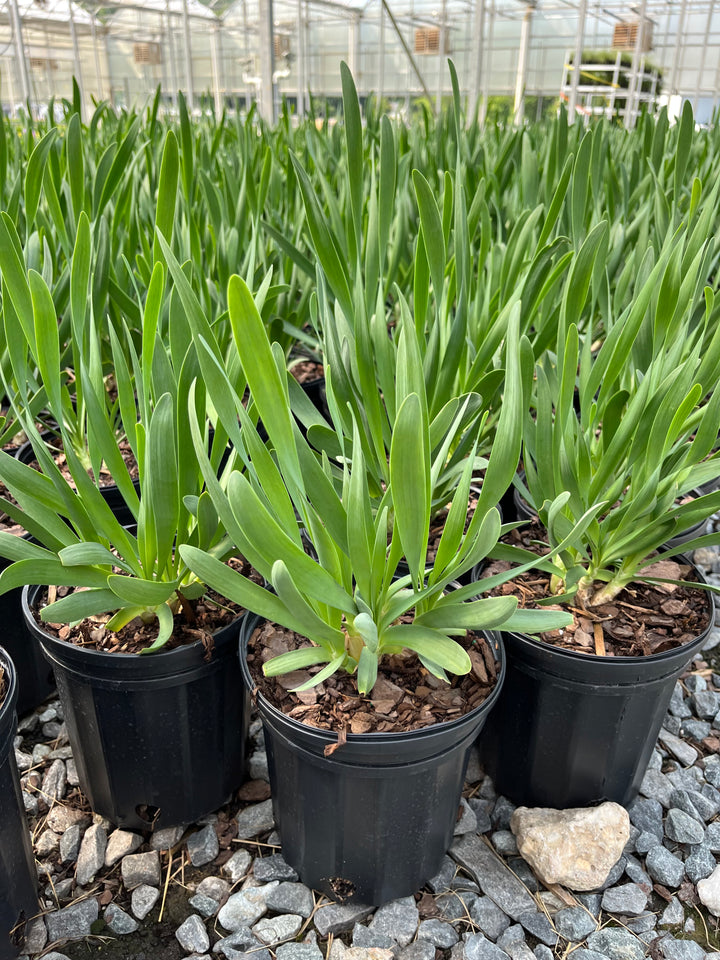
(111, 494)
(18, 879)
(371, 822)
(572, 729)
(35, 680)
(157, 739)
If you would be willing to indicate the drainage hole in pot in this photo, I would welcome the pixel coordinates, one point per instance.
(342, 888)
(147, 812)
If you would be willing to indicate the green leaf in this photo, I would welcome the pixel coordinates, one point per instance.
(34, 178)
(295, 660)
(410, 483)
(429, 644)
(144, 593)
(486, 614)
(432, 232)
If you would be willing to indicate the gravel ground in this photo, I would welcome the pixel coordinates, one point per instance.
(221, 887)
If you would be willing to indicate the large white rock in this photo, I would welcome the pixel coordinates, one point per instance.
(575, 848)
(709, 892)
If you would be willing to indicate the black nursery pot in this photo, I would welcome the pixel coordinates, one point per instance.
(110, 494)
(18, 879)
(571, 729)
(35, 680)
(157, 739)
(371, 822)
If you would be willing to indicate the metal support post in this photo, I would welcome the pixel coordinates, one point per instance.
(441, 59)
(301, 84)
(521, 76)
(406, 48)
(635, 81)
(381, 58)
(267, 60)
(215, 59)
(677, 52)
(187, 49)
(477, 47)
(96, 54)
(20, 53)
(487, 71)
(577, 60)
(703, 51)
(77, 66)
(174, 86)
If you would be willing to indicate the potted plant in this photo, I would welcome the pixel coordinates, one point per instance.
(605, 482)
(18, 879)
(157, 739)
(362, 815)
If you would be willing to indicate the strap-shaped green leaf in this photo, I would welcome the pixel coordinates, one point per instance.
(138, 592)
(485, 614)
(429, 644)
(313, 627)
(410, 483)
(79, 605)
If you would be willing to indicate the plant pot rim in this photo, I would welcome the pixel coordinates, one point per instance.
(7, 705)
(250, 623)
(73, 653)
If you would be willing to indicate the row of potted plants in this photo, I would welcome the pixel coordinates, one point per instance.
(240, 499)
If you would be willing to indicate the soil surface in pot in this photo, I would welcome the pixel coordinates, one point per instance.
(197, 622)
(305, 371)
(405, 697)
(643, 619)
(105, 478)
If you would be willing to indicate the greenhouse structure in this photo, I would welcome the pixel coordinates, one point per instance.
(234, 53)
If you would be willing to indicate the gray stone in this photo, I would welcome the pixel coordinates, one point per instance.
(298, 951)
(439, 933)
(192, 935)
(35, 935)
(672, 725)
(270, 868)
(60, 889)
(686, 778)
(140, 868)
(30, 803)
(695, 729)
(214, 887)
(700, 863)
(630, 900)
(681, 799)
(646, 841)
(55, 956)
(543, 953)
(240, 939)
(678, 706)
(474, 772)
(525, 875)
(705, 703)
(673, 914)
(502, 813)
(491, 920)
(494, 878)
(482, 810)
(335, 918)
(238, 866)
(60, 817)
(92, 854)
(365, 937)
(119, 921)
(72, 774)
(120, 844)
(143, 899)
(513, 934)
(504, 842)
(203, 846)
(583, 954)
(467, 821)
(681, 750)
(24, 761)
(616, 943)
(291, 898)
(634, 870)
(656, 786)
(664, 867)
(167, 838)
(478, 947)
(682, 828)
(712, 836)
(538, 925)
(255, 820)
(240, 911)
(258, 766)
(398, 919)
(420, 950)
(647, 815)
(205, 906)
(642, 923)
(444, 877)
(519, 951)
(681, 949)
(574, 923)
(41, 751)
(73, 922)
(54, 782)
(46, 843)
